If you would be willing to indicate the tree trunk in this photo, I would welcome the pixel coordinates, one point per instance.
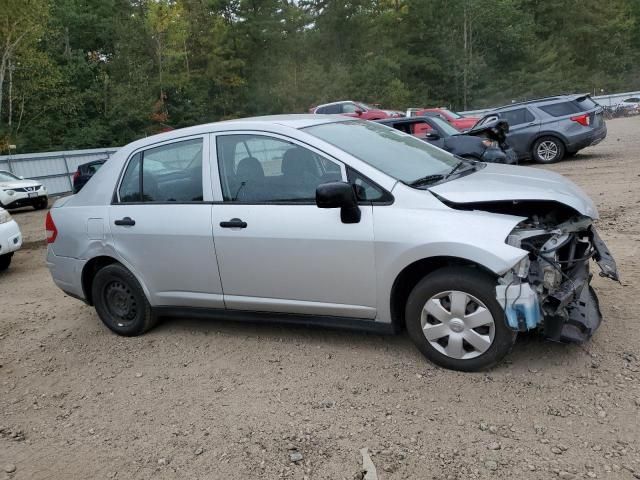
(465, 64)
(3, 71)
(10, 95)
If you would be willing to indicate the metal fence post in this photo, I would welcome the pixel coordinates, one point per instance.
(66, 167)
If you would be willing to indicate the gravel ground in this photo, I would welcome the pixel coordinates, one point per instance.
(209, 400)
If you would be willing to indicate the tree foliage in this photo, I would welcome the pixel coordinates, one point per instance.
(92, 73)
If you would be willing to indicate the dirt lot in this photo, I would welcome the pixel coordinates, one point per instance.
(208, 400)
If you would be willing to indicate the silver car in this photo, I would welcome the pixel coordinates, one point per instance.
(333, 221)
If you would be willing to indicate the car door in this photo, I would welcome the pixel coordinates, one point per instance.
(523, 127)
(277, 250)
(160, 220)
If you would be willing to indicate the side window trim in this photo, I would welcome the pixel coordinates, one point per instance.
(206, 185)
(216, 175)
(387, 197)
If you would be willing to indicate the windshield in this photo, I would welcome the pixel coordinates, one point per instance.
(399, 155)
(7, 177)
(452, 114)
(364, 106)
(444, 126)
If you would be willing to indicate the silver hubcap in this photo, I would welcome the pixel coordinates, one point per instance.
(547, 150)
(458, 325)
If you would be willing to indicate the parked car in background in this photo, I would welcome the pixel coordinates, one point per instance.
(460, 122)
(355, 109)
(314, 219)
(84, 173)
(10, 238)
(630, 105)
(549, 129)
(486, 144)
(16, 192)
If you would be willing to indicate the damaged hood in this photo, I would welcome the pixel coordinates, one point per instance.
(496, 183)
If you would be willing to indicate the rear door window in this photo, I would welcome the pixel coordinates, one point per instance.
(169, 173)
(517, 116)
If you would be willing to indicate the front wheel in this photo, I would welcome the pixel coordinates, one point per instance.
(5, 261)
(453, 317)
(548, 150)
(120, 301)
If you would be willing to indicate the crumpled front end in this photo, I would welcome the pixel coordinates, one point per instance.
(550, 290)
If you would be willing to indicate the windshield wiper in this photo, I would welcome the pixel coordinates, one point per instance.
(426, 180)
(461, 163)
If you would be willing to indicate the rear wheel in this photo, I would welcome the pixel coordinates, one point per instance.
(454, 319)
(548, 150)
(5, 261)
(120, 301)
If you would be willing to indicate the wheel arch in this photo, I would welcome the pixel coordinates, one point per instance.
(89, 272)
(409, 277)
(544, 133)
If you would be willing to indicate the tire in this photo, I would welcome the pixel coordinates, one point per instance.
(41, 204)
(548, 150)
(493, 337)
(5, 261)
(120, 301)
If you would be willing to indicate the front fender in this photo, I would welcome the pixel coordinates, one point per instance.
(405, 236)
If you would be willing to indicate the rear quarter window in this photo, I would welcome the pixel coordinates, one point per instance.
(562, 109)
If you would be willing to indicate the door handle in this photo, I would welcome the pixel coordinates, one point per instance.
(125, 222)
(234, 223)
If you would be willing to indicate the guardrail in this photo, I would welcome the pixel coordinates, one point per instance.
(54, 169)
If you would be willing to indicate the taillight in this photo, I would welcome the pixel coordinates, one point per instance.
(50, 228)
(76, 175)
(583, 119)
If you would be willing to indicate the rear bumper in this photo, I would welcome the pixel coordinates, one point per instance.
(588, 139)
(66, 273)
(10, 237)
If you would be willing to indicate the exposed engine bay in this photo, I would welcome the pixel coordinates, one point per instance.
(550, 288)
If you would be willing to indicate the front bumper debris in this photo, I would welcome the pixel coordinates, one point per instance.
(558, 298)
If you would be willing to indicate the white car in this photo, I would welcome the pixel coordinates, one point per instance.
(630, 104)
(16, 192)
(10, 238)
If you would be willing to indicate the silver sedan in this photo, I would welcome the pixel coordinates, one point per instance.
(332, 221)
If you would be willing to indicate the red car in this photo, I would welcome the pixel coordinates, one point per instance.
(455, 119)
(355, 109)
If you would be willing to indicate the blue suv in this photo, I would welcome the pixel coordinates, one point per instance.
(550, 129)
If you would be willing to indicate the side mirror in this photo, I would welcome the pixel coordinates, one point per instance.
(432, 136)
(339, 195)
(358, 112)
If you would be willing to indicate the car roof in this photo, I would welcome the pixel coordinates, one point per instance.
(266, 123)
(335, 103)
(543, 100)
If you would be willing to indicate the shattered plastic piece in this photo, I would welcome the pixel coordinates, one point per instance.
(368, 466)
